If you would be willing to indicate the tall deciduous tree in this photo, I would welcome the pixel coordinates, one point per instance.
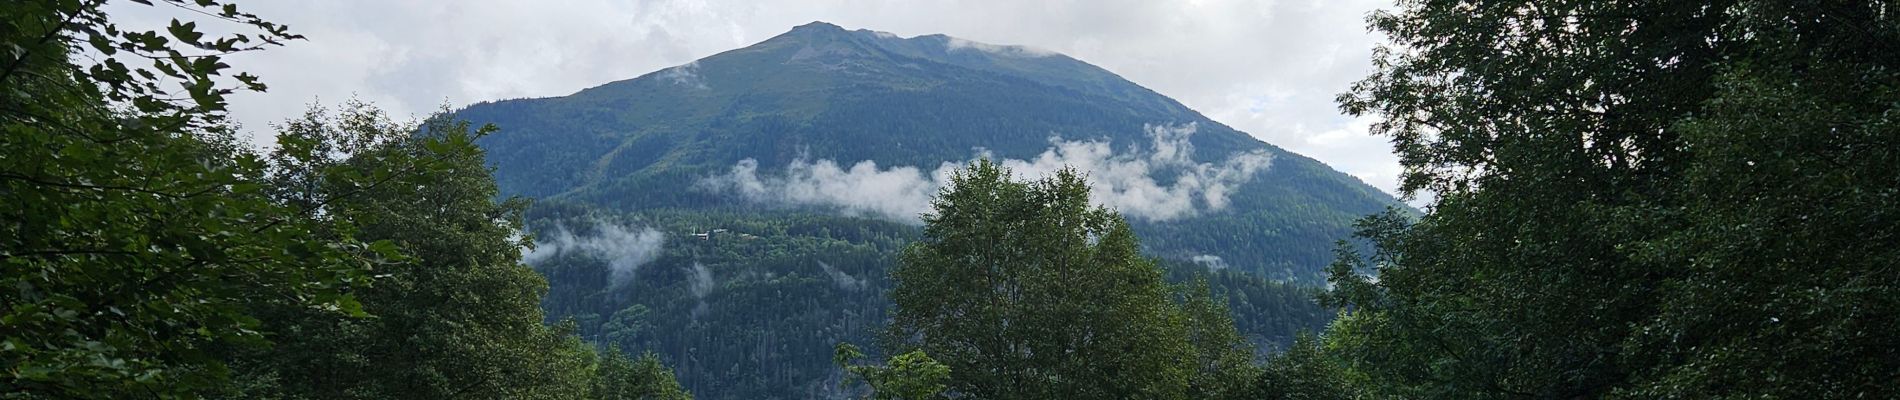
(1305, 371)
(136, 232)
(458, 315)
(908, 376)
(1025, 290)
(1222, 366)
(1635, 199)
(620, 378)
(144, 251)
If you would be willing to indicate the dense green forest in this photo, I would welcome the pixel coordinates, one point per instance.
(1630, 199)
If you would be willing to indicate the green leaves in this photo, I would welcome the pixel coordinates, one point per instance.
(908, 376)
(1306, 371)
(145, 250)
(1024, 290)
(1636, 200)
(185, 32)
(137, 241)
(451, 312)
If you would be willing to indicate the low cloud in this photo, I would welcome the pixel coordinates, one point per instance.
(1212, 262)
(701, 284)
(900, 193)
(701, 280)
(1128, 181)
(624, 247)
(954, 44)
(685, 75)
(843, 280)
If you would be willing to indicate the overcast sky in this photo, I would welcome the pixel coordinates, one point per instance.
(1267, 67)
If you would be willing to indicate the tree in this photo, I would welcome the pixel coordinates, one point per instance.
(137, 233)
(620, 378)
(1305, 371)
(458, 316)
(1635, 199)
(1025, 290)
(146, 251)
(908, 376)
(1223, 364)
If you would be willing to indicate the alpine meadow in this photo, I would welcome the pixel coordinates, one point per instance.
(712, 199)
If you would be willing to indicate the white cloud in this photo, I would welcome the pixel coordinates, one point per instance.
(899, 193)
(1267, 67)
(685, 75)
(843, 280)
(1212, 262)
(700, 283)
(1127, 181)
(954, 44)
(624, 247)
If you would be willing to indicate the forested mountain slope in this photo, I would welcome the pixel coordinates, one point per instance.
(739, 214)
(819, 93)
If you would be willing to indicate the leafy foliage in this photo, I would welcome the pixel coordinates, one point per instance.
(146, 252)
(1306, 371)
(137, 232)
(1636, 200)
(1025, 290)
(620, 378)
(457, 317)
(908, 376)
(1223, 360)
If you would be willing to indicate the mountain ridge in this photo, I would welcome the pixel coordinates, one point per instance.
(738, 214)
(821, 92)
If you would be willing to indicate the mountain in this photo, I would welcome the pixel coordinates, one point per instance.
(737, 214)
(820, 92)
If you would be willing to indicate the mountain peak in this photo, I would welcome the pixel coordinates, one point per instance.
(818, 27)
(852, 96)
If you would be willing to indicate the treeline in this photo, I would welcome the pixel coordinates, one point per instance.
(148, 253)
